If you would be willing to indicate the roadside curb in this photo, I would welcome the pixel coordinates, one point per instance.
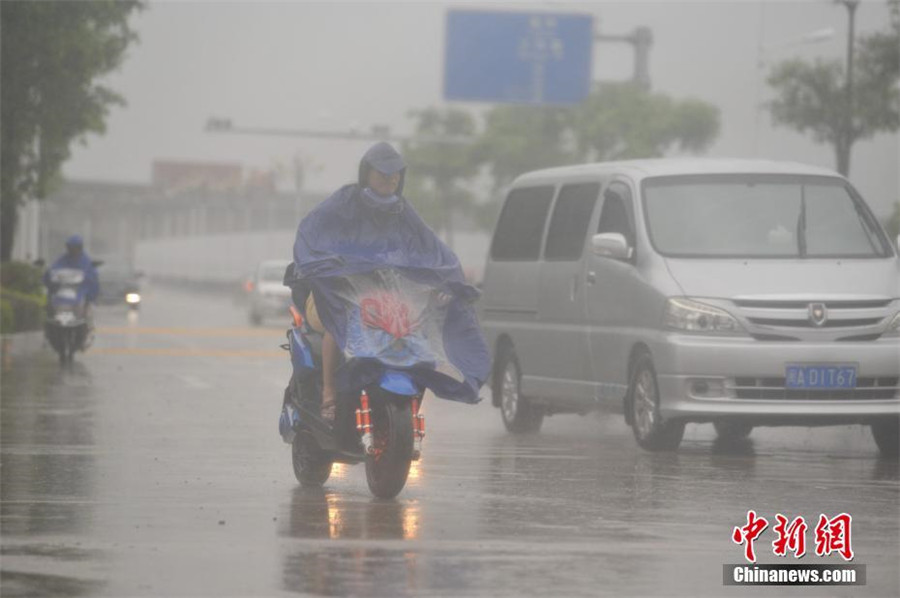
(21, 343)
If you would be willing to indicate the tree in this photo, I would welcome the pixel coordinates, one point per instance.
(622, 121)
(517, 139)
(51, 54)
(814, 98)
(438, 171)
(617, 121)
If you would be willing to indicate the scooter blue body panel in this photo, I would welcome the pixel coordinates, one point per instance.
(288, 422)
(301, 354)
(399, 383)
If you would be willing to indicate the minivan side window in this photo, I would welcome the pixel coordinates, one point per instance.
(616, 215)
(570, 220)
(521, 225)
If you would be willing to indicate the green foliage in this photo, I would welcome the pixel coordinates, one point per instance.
(7, 315)
(21, 312)
(517, 139)
(438, 171)
(21, 277)
(617, 121)
(812, 98)
(22, 292)
(52, 53)
(622, 121)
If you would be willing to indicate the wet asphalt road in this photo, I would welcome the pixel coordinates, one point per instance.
(153, 467)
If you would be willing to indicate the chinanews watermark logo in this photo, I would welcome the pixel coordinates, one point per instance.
(831, 535)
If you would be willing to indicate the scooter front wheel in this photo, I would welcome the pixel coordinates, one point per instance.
(312, 465)
(66, 346)
(392, 435)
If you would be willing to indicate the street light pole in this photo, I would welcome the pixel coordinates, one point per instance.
(641, 39)
(846, 141)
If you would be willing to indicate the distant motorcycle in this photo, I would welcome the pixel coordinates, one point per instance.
(393, 352)
(66, 328)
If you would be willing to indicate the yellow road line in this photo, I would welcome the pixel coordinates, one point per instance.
(179, 352)
(220, 332)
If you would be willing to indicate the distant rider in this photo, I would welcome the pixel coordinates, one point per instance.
(75, 258)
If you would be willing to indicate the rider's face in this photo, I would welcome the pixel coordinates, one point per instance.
(384, 185)
(73, 250)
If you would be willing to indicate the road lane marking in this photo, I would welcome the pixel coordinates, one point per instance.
(179, 352)
(194, 382)
(230, 332)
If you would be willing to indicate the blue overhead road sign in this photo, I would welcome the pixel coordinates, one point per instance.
(517, 57)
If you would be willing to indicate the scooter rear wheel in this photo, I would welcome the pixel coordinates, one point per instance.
(392, 431)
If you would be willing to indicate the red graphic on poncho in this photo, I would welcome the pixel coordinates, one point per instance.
(385, 312)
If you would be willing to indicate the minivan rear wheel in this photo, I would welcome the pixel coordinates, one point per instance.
(887, 436)
(650, 431)
(518, 413)
(732, 430)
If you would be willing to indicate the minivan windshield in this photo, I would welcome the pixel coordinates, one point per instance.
(766, 216)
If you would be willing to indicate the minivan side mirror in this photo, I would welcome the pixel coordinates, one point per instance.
(611, 245)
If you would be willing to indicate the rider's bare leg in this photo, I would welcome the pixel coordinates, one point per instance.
(329, 364)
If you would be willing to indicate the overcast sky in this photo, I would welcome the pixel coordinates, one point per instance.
(337, 65)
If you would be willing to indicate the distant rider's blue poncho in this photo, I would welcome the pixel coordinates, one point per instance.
(347, 235)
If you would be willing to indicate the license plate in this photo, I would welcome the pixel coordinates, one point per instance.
(820, 377)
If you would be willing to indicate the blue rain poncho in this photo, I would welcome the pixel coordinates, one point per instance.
(81, 262)
(349, 234)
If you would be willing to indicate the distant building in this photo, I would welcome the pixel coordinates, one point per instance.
(185, 199)
(178, 176)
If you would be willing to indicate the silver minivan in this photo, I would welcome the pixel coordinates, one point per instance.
(734, 292)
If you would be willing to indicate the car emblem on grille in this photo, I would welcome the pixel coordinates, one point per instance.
(818, 315)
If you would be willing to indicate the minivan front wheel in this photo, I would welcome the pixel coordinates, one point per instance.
(732, 430)
(650, 431)
(887, 436)
(518, 414)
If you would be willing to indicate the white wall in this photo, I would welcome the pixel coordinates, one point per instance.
(232, 256)
(212, 258)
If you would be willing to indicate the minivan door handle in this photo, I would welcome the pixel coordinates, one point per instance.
(591, 277)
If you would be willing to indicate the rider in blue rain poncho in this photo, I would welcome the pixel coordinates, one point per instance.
(75, 258)
(368, 226)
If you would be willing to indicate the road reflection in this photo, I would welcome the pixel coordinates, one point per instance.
(48, 476)
(367, 556)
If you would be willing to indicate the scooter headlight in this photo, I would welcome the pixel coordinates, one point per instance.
(65, 317)
(693, 316)
(133, 298)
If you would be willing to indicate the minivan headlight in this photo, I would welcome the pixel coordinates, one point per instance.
(693, 316)
(894, 327)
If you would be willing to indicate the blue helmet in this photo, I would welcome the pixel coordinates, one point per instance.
(75, 241)
(385, 159)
